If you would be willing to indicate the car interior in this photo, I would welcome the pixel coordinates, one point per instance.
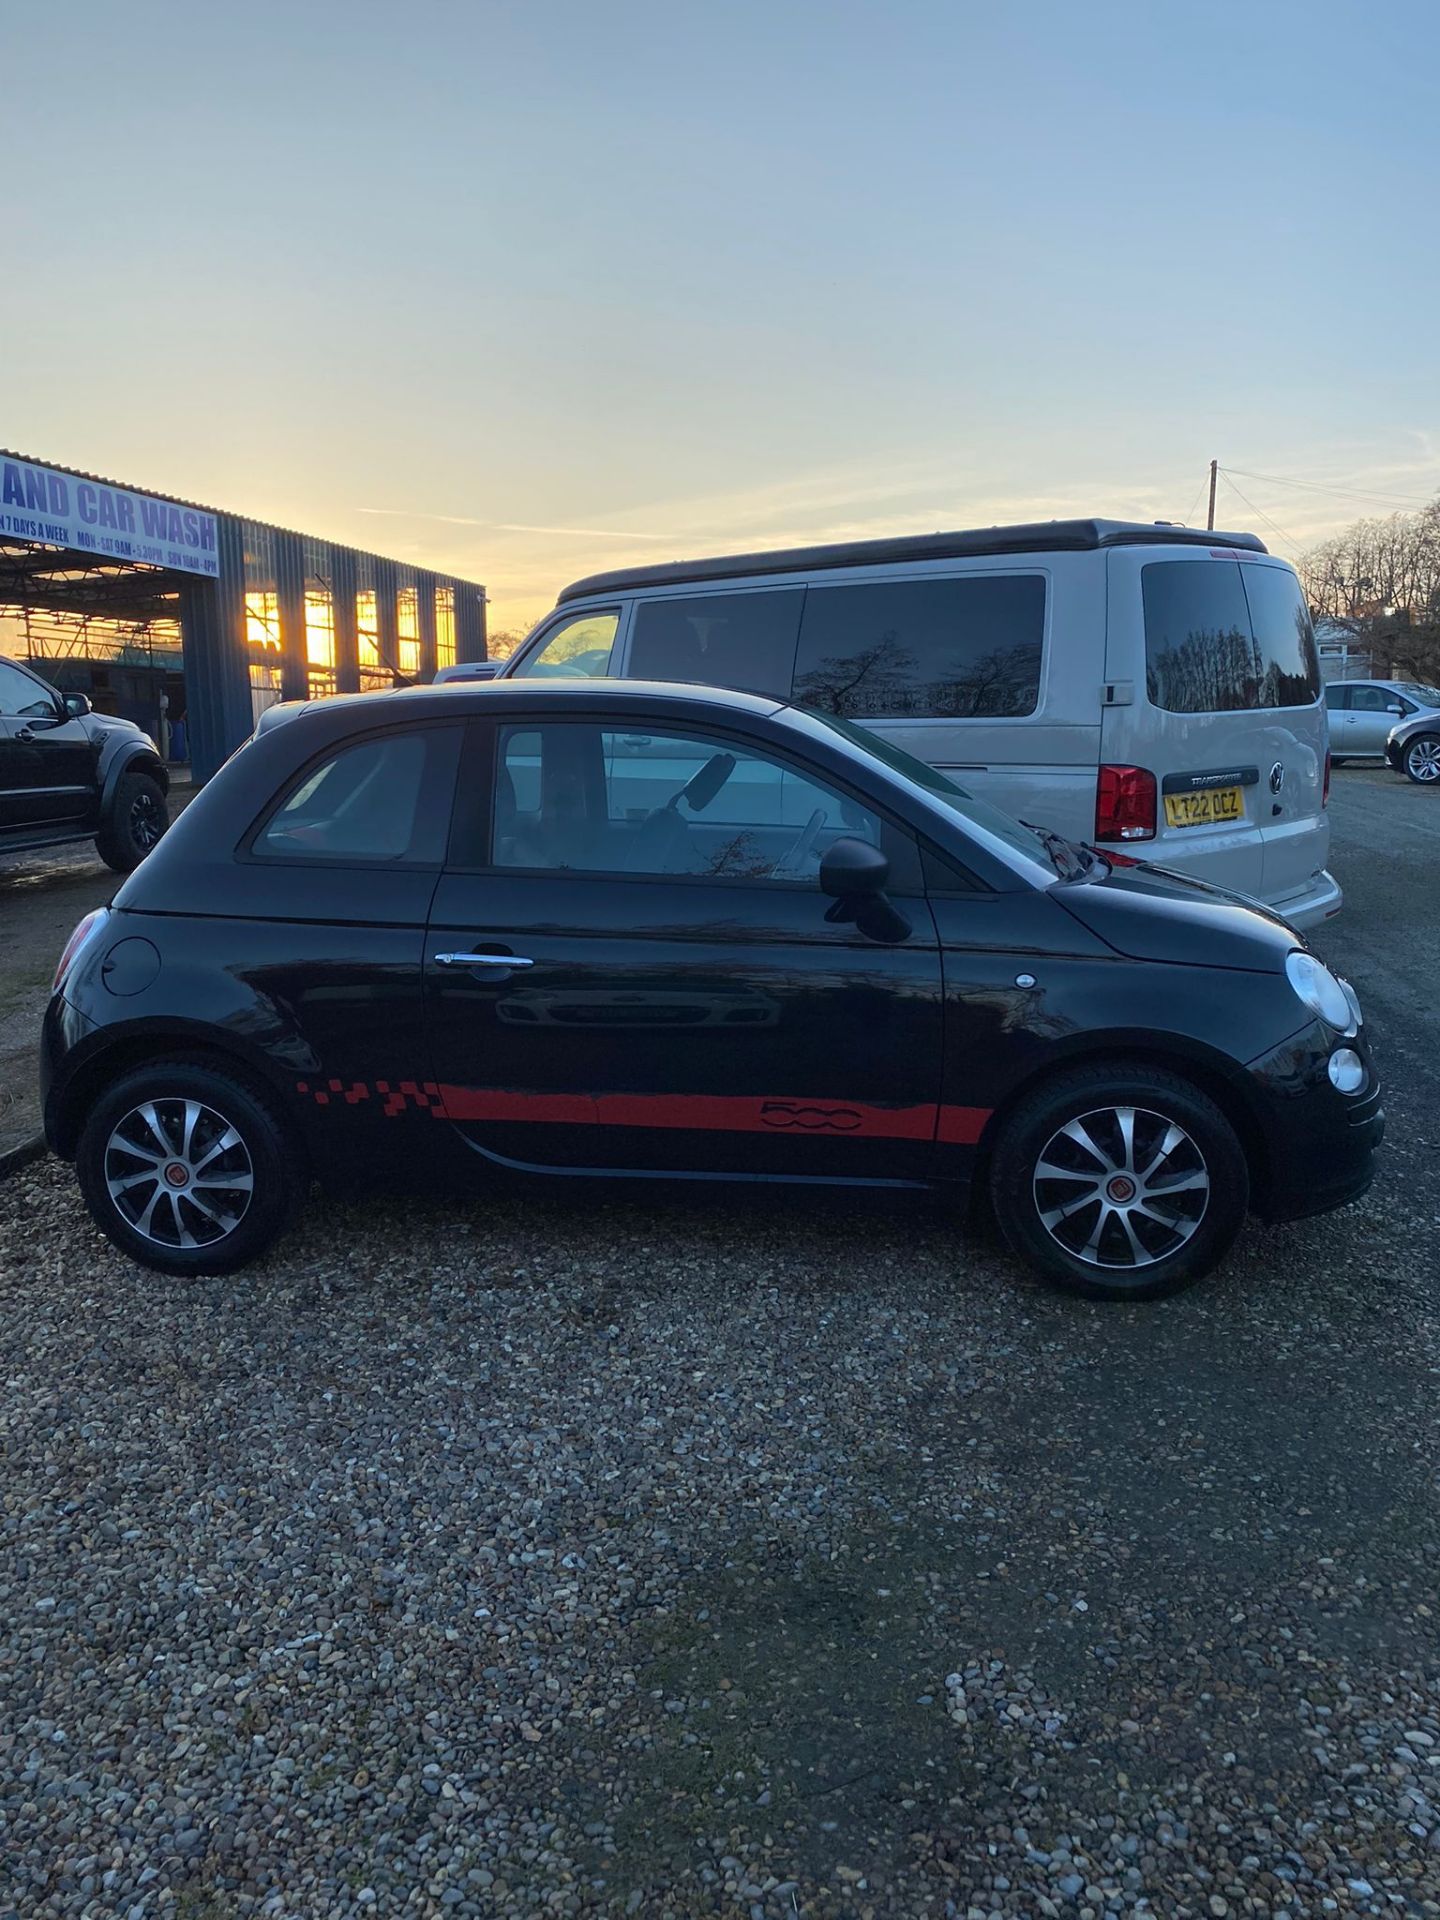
(576, 796)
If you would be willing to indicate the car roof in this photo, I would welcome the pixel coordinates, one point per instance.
(489, 696)
(1044, 536)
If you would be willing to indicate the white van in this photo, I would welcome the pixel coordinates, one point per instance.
(1150, 688)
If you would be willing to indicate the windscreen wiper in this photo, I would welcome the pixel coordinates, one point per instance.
(1064, 854)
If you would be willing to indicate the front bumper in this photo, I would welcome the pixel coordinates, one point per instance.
(1319, 1145)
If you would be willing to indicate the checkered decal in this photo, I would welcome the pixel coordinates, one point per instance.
(423, 1095)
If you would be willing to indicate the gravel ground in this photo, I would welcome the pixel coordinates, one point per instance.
(581, 1555)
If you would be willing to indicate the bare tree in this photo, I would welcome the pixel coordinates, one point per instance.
(1380, 579)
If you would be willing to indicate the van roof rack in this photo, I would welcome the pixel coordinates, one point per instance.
(1043, 536)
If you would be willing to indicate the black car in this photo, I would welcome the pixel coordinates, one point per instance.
(573, 930)
(67, 773)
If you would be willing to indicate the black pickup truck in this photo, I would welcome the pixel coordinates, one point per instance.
(67, 773)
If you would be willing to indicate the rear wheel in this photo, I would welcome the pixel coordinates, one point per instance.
(1421, 759)
(1121, 1183)
(136, 819)
(187, 1169)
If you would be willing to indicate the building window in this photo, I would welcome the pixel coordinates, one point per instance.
(407, 609)
(444, 626)
(262, 644)
(319, 639)
(374, 675)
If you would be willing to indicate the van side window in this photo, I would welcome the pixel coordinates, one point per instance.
(577, 649)
(742, 640)
(959, 648)
(1225, 638)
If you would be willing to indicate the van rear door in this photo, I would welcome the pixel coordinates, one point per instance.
(1213, 685)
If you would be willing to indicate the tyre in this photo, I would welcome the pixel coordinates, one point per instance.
(1420, 758)
(136, 819)
(188, 1170)
(1119, 1182)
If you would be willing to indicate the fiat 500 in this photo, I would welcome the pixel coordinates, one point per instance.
(568, 930)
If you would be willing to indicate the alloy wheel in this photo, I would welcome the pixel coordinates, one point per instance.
(178, 1173)
(1121, 1187)
(145, 821)
(1422, 759)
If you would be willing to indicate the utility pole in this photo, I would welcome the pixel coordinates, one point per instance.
(1210, 517)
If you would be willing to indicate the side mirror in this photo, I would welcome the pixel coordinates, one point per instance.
(854, 873)
(77, 705)
(853, 869)
(1396, 709)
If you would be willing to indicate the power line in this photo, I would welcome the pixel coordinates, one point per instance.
(1288, 538)
(1343, 493)
(1189, 519)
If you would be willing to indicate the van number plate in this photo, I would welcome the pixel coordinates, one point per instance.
(1204, 809)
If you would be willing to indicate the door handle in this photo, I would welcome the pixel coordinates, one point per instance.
(481, 960)
(23, 733)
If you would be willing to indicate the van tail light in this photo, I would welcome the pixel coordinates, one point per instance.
(1125, 804)
(1325, 790)
(82, 933)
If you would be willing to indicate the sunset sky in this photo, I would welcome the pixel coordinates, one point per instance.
(522, 291)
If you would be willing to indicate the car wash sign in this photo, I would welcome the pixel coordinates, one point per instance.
(62, 510)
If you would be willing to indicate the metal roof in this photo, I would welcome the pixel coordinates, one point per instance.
(1044, 536)
(222, 513)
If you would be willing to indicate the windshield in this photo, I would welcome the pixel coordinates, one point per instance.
(1426, 696)
(973, 812)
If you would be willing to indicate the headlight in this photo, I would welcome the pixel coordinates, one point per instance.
(1350, 994)
(1321, 991)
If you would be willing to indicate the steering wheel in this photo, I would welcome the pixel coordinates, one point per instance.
(804, 843)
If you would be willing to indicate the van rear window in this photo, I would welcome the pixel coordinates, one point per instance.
(1225, 638)
(961, 648)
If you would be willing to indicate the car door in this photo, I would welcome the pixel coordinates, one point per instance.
(47, 759)
(1373, 712)
(630, 964)
(1339, 718)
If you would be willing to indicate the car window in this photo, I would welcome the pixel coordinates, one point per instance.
(1423, 695)
(385, 799)
(586, 798)
(1226, 638)
(1373, 699)
(960, 648)
(1337, 698)
(744, 640)
(21, 695)
(578, 649)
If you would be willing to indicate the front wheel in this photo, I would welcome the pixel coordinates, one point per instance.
(1421, 759)
(1120, 1183)
(187, 1169)
(136, 819)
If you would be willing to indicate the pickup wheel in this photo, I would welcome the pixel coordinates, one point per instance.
(1120, 1183)
(134, 822)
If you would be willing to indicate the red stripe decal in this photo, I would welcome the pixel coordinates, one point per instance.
(722, 1113)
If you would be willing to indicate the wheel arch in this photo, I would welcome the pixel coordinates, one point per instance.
(129, 756)
(1209, 1071)
(119, 1053)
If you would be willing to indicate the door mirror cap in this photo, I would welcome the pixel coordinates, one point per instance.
(1395, 708)
(853, 869)
(76, 705)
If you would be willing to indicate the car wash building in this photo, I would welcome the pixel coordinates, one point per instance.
(190, 621)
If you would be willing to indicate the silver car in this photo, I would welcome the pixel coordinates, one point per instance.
(1364, 713)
